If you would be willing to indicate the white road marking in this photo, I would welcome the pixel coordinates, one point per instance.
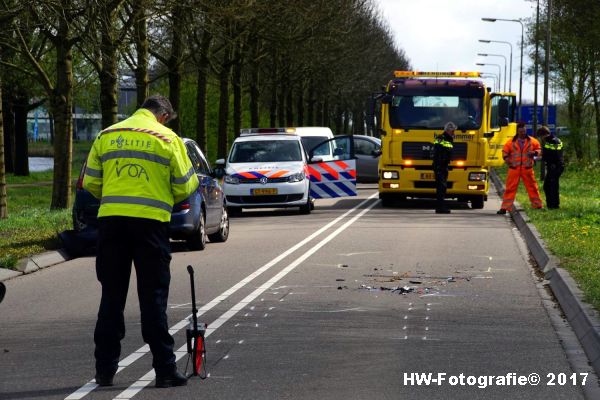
(143, 382)
(360, 252)
(91, 385)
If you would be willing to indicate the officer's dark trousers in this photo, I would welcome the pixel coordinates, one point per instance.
(441, 184)
(551, 185)
(122, 240)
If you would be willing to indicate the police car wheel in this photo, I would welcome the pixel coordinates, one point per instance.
(223, 233)
(198, 239)
(306, 208)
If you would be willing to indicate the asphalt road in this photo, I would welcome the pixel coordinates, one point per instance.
(300, 307)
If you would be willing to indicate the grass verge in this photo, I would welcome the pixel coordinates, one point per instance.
(31, 227)
(572, 233)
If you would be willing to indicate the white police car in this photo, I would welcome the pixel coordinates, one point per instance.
(269, 167)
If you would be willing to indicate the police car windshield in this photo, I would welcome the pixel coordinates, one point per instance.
(266, 151)
(431, 107)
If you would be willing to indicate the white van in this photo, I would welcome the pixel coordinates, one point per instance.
(311, 136)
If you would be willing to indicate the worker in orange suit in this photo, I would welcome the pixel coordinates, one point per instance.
(520, 154)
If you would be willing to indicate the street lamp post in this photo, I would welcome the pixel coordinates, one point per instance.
(499, 71)
(490, 75)
(521, 68)
(496, 55)
(511, 59)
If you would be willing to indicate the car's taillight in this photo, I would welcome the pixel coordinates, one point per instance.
(181, 207)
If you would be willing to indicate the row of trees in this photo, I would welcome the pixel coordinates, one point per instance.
(299, 62)
(574, 66)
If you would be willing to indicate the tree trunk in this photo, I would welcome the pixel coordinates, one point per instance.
(358, 122)
(201, 92)
(281, 104)
(222, 141)
(300, 106)
(21, 107)
(174, 64)
(310, 109)
(289, 107)
(61, 104)
(141, 47)
(346, 122)
(594, 86)
(3, 195)
(339, 116)
(326, 113)
(319, 113)
(254, 85)
(273, 105)
(9, 133)
(108, 82)
(236, 81)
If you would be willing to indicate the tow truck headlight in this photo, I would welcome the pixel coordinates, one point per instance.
(390, 175)
(234, 180)
(477, 176)
(299, 177)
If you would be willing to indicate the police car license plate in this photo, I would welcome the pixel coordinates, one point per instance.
(264, 192)
(427, 176)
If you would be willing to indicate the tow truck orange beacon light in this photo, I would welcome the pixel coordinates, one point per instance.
(444, 74)
(460, 163)
(408, 162)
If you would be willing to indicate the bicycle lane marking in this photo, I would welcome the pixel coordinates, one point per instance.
(136, 355)
(182, 351)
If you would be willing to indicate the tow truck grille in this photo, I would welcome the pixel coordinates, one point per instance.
(424, 151)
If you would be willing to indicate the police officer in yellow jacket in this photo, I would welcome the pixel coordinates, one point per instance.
(138, 168)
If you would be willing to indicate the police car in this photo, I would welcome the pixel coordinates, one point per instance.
(269, 167)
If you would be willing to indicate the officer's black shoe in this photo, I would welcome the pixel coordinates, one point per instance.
(175, 378)
(442, 211)
(104, 380)
(501, 211)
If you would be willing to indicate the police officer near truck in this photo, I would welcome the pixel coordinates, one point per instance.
(552, 156)
(442, 155)
(138, 168)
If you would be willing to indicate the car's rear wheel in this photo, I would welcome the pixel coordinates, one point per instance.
(223, 233)
(197, 241)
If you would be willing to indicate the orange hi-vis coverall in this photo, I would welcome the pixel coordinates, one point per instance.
(520, 166)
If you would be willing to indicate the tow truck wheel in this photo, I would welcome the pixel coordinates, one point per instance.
(477, 202)
(386, 201)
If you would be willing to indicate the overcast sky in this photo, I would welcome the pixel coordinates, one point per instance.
(443, 35)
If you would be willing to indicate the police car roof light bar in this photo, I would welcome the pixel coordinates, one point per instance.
(267, 131)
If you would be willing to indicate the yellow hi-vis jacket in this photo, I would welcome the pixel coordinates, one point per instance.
(139, 168)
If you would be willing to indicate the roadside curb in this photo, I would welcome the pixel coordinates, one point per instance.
(581, 316)
(34, 263)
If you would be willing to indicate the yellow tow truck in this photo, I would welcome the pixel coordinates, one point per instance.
(414, 109)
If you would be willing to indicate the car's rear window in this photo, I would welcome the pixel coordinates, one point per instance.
(265, 151)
